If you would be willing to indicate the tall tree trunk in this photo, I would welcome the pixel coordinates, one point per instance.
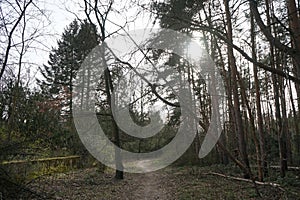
(258, 105)
(236, 103)
(276, 89)
(296, 142)
(253, 128)
(215, 49)
(16, 87)
(294, 23)
(284, 121)
(115, 130)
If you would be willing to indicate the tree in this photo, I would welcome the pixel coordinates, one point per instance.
(10, 31)
(236, 102)
(181, 15)
(100, 11)
(274, 54)
(64, 61)
(262, 163)
(20, 30)
(57, 83)
(19, 33)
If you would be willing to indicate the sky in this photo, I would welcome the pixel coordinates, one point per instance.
(51, 27)
(59, 19)
(62, 12)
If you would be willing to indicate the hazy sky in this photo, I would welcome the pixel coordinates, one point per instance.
(61, 14)
(59, 19)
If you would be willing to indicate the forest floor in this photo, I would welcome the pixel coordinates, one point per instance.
(167, 184)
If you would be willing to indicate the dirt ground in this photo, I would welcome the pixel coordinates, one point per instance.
(91, 184)
(167, 184)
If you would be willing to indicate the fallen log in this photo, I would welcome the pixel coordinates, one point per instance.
(290, 168)
(39, 160)
(247, 180)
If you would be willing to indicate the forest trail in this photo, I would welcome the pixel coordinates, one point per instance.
(152, 185)
(170, 183)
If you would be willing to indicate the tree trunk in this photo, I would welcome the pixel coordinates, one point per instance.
(260, 129)
(115, 130)
(296, 127)
(215, 49)
(294, 24)
(284, 126)
(276, 89)
(236, 103)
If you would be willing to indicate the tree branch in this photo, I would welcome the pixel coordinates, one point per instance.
(9, 45)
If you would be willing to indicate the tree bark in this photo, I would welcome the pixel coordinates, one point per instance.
(294, 24)
(236, 102)
(115, 129)
(262, 157)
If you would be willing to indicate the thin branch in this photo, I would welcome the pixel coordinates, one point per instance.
(10, 38)
(152, 86)
(267, 31)
(197, 26)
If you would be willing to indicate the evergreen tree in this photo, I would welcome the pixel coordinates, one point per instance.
(65, 60)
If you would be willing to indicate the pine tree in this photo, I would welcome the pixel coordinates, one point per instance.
(64, 61)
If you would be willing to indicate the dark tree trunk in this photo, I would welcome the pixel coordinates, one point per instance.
(262, 164)
(236, 102)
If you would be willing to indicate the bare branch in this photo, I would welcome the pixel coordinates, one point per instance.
(8, 48)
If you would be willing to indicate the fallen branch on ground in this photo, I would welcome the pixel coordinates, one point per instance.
(289, 168)
(247, 180)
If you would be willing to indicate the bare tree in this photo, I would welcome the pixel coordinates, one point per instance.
(100, 11)
(21, 26)
(236, 102)
(262, 164)
(12, 14)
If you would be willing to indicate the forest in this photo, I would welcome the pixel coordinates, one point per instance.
(162, 99)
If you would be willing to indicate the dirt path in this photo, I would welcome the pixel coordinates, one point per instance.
(168, 184)
(152, 185)
(89, 184)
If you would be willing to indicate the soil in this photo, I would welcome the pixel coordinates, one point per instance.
(167, 184)
(92, 184)
(154, 185)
